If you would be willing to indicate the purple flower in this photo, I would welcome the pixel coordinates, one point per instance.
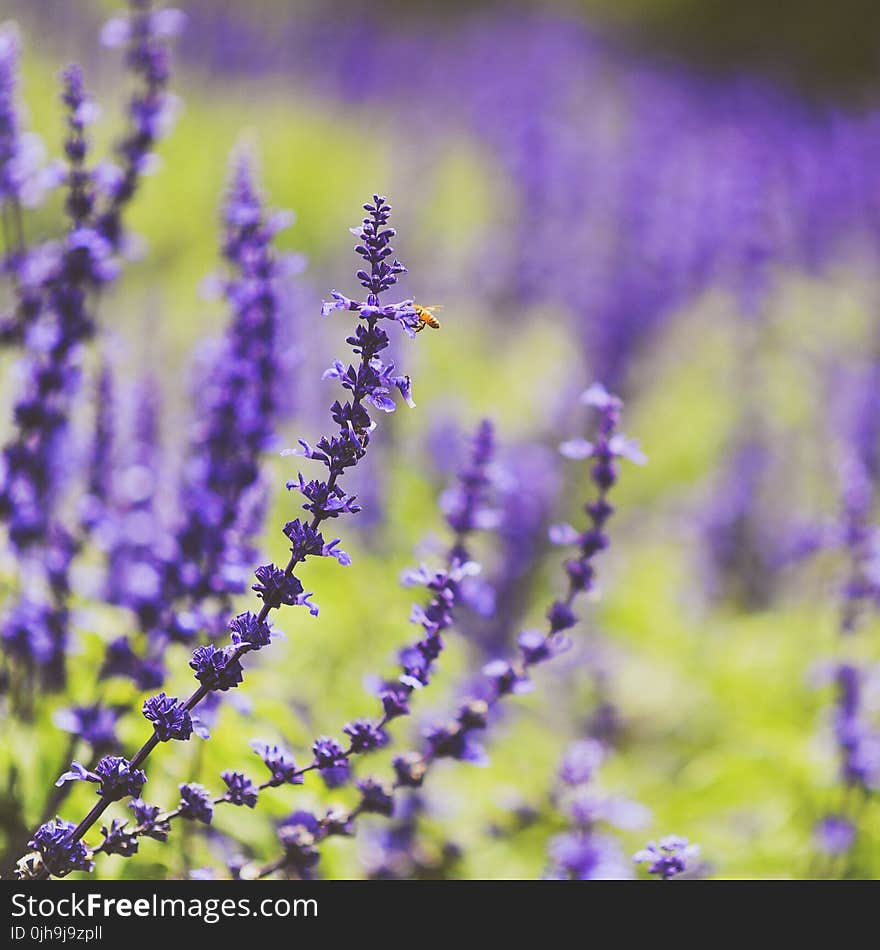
(536, 648)
(119, 839)
(170, 718)
(365, 736)
(376, 250)
(409, 769)
(240, 789)
(331, 761)
(135, 570)
(54, 322)
(113, 775)
(118, 779)
(580, 761)
(328, 752)
(669, 857)
(215, 668)
(60, 853)
(395, 700)
(322, 500)
(146, 818)
(561, 617)
(220, 669)
(95, 724)
(30, 633)
(297, 837)
(834, 834)
(279, 762)
(506, 678)
(196, 803)
(276, 587)
(305, 541)
(738, 537)
(465, 505)
(608, 445)
(20, 152)
(248, 628)
(81, 111)
(93, 506)
(455, 742)
(376, 797)
(121, 660)
(588, 857)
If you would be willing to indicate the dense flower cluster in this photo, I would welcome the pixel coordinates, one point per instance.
(279, 763)
(61, 854)
(170, 718)
(219, 669)
(195, 803)
(113, 775)
(240, 789)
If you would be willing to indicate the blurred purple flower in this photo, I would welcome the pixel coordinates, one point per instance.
(669, 857)
(834, 835)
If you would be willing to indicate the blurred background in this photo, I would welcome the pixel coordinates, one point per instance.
(680, 198)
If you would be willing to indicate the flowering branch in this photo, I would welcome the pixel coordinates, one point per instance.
(467, 511)
(60, 844)
(302, 834)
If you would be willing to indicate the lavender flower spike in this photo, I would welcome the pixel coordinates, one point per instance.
(375, 249)
(20, 152)
(144, 32)
(464, 504)
(236, 399)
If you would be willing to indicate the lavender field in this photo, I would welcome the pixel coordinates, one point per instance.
(437, 443)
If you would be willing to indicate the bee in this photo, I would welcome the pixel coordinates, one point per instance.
(426, 317)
